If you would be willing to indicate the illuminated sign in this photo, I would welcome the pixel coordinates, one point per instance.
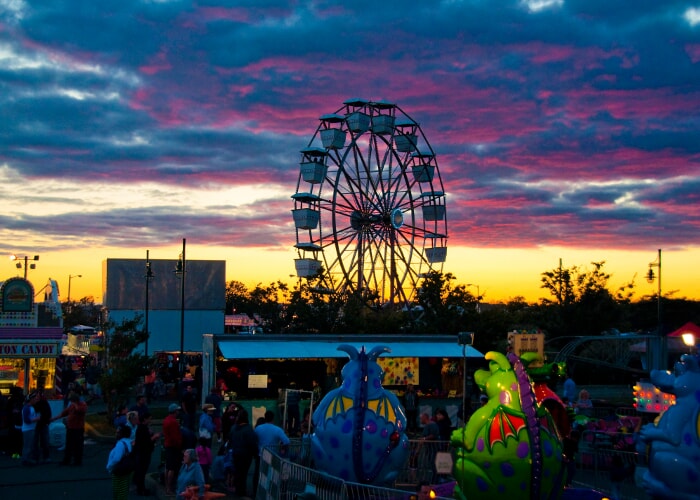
(30, 350)
(521, 343)
(17, 295)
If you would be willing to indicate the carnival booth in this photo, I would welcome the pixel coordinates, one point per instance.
(31, 335)
(258, 370)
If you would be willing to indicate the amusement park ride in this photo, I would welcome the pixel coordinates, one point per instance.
(370, 219)
(511, 447)
(369, 207)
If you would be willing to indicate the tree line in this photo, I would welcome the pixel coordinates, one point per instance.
(579, 301)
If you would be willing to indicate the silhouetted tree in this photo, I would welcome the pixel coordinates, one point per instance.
(124, 367)
(582, 303)
(447, 309)
(237, 297)
(81, 312)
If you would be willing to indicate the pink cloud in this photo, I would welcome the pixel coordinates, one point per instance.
(693, 51)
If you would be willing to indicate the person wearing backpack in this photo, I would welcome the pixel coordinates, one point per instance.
(120, 482)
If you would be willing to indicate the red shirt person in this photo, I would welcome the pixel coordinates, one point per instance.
(75, 429)
(172, 442)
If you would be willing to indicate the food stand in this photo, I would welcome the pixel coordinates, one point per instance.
(279, 360)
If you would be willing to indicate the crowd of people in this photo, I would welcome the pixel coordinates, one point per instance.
(30, 420)
(212, 441)
(201, 443)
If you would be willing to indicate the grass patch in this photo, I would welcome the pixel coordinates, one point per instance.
(100, 423)
(103, 425)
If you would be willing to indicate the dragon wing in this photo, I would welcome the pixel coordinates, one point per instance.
(504, 425)
(383, 408)
(339, 404)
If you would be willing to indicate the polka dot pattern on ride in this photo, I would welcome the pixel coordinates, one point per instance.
(510, 446)
(360, 427)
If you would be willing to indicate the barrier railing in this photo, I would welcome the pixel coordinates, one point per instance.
(607, 462)
(286, 472)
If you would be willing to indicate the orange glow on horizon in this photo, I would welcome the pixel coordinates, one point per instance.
(500, 274)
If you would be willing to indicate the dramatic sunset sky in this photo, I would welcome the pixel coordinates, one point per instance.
(564, 130)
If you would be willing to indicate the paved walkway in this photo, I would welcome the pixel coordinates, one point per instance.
(153, 482)
(90, 480)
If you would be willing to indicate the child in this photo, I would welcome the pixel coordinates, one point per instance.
(204, 457)
(618, 473)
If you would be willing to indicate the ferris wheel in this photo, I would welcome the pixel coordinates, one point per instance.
(369, 207)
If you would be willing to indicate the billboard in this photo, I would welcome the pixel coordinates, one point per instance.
(124, 284)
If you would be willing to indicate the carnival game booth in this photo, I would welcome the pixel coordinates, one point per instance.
(258, 370)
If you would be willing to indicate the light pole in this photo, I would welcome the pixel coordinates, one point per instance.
(478, 296)
(180, 270)
(70, 278)
(659, 356)
(148, 276)
(19, 264)
(465, 339)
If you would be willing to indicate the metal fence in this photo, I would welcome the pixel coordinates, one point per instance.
(287, 472)
(421, 464)
(608, 463)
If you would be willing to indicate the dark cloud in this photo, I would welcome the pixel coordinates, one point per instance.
(573, 125)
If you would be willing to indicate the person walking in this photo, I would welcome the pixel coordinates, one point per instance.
(204, 457)
(570, 393)
(243, 444)
(172, 442)
(75, 429)
(144, 443)
(272, 436)
(120, 483)
(228, 419)
(316, 392)
(427, 449)
(92, 379)
(15, 405)
(410, 404)
(293, 415)
(29, 420)
(132, 422)
(41, 435)
(214, 398)
(140, 407)
(206, 424)
(444, 423)
(149, 382)
(189, 407)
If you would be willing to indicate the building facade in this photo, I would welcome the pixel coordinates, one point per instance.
(171, 320)
(31, 335)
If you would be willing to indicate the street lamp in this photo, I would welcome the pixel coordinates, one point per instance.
(19, 264)
(180, 270)
(70, 278)
(659, 361)
(148, 276)
(478, 296)
(689, 340)
(465, 339)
